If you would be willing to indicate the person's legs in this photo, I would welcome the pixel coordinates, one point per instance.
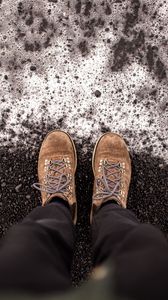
(36, 254)
(110, 226)
(138, 253)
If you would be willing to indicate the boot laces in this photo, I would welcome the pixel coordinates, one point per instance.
(56, 181)
(108, 186)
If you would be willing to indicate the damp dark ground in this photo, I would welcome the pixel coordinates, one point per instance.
(147, 198)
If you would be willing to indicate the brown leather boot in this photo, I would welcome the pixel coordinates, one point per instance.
(112, 171)
(56, 169)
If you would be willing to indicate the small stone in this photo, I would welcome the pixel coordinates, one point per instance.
(28, 196)
(97, 93)
(3, 184)
(17, 188)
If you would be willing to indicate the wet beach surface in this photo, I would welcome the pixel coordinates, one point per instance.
(86, 68)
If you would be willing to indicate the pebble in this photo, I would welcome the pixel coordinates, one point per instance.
(18, 187)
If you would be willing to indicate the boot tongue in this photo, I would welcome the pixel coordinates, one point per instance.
(59, 195)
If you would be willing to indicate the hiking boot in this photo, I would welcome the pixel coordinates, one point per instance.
(56, 169)
(112, 171)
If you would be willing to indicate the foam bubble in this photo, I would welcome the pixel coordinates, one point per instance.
(88, 67)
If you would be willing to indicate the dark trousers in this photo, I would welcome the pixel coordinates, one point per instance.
(36, 255)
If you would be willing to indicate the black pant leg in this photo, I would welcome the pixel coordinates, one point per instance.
(138, 253)
(110, 226)
(36, 255)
